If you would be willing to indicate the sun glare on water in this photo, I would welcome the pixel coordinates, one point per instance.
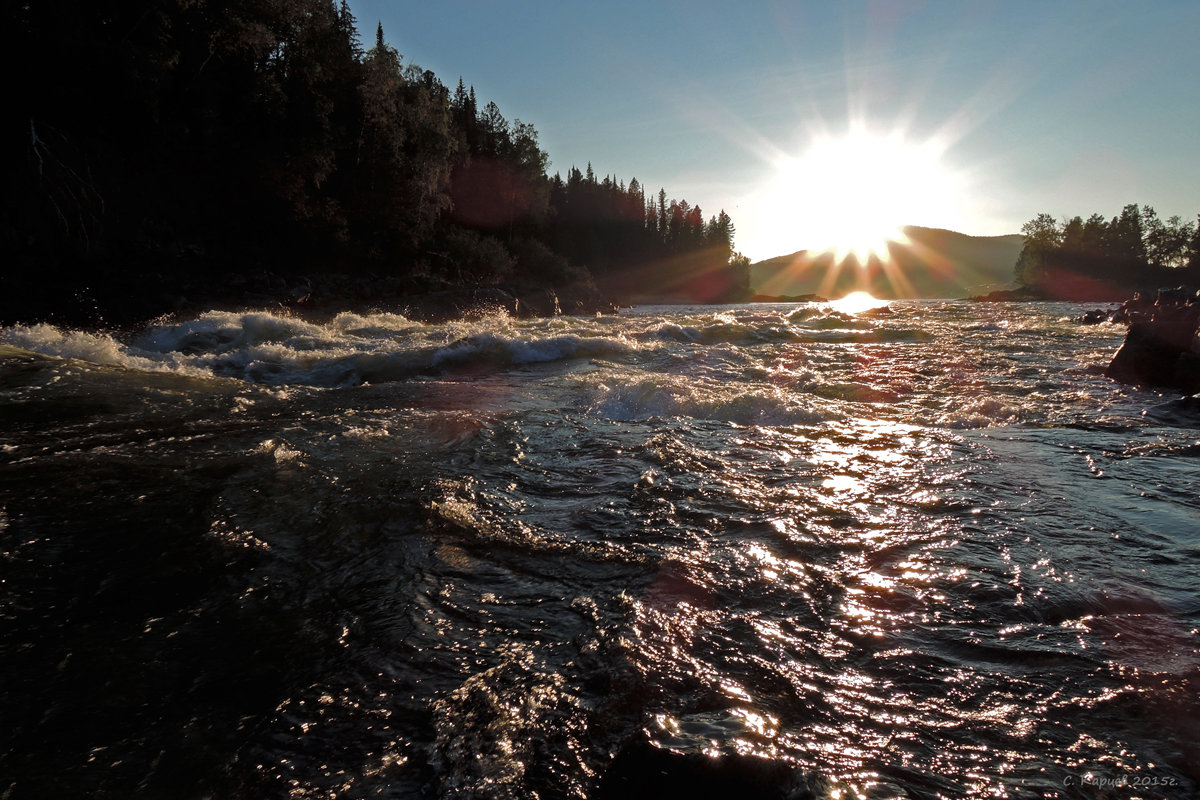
(857, 302)
(852, 194)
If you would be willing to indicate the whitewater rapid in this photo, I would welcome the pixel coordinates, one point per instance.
(759, 550)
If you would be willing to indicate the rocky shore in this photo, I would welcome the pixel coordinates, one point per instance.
(1162, 346)
(1021, 294)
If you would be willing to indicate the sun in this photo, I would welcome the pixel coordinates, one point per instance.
(857, 302)
(852, 194)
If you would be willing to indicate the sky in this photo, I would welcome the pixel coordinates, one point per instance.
(973, 116)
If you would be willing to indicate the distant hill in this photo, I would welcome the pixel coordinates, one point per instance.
(932, 263)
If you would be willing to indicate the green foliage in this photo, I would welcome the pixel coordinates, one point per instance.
(1133, 250)
(1042, 237)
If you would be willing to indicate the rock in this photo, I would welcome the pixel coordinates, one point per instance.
(1161, 353)
(450, 304)
(1094, 317)
(538, 303)
(1161, 348)
(584, 299)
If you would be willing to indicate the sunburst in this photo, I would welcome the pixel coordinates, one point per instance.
(851, 194)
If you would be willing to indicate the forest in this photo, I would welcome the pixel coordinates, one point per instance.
(157, 143)
(1099, 259)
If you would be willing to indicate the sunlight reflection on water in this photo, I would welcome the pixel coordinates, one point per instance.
(892, 556)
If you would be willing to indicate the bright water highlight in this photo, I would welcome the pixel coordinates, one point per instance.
(710, 551)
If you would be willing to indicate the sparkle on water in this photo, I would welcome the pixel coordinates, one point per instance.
(927, 553)
(858, 302)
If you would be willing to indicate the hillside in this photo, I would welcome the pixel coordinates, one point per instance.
(932, 263)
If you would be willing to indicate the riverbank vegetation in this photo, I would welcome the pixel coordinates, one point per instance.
(150, 145)
(1099, 259)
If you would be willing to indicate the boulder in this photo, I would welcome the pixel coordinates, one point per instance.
(1161, 353)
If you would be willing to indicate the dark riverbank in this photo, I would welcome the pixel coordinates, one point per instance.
(1075, 292)
(132, 299)
(183, 157)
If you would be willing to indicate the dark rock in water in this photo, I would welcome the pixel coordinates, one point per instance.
(518, 300)
(1161, 353)
(643, 770)
(1183, 412)
(585, 299)
(443, 306)
(1162, 348)
(1094, 317)
(537, 302)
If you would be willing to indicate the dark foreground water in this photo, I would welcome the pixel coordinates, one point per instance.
(770, 551)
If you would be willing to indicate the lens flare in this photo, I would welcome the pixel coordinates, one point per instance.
(851, 194)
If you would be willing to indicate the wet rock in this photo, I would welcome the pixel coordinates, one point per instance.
(1094, 317)
(443, 306)
(537, 303)
(1161, 353)
(1162, 346)
(586, 300)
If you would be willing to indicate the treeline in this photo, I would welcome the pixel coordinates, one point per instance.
(183, 135)
(1134, 250)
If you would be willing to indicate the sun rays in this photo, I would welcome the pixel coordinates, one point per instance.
(851, 194)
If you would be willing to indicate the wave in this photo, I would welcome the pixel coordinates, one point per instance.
(490, 348)
(661, 396)
(94, 348)
(834, 329)
(351, 349)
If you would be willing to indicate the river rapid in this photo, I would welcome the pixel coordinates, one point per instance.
(743, 551)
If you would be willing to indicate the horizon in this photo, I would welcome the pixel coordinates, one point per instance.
(901, 241)
(1011, 110)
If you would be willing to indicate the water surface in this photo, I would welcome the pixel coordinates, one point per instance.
(931, 553)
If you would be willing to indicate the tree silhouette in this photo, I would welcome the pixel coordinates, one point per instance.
(158, 140)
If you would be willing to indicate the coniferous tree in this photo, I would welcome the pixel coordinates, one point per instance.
(261, 131)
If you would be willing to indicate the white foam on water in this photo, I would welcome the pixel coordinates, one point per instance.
(272, 349)
(492, 347)
(662, 396)
(94, 348)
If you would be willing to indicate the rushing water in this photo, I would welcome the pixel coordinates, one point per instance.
(715, 551)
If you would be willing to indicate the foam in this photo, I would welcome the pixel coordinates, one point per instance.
(659, 397)
(94, 348)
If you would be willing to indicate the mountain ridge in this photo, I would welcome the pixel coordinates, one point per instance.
(932, 263)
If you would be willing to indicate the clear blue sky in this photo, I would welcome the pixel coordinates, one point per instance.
(1068, 107)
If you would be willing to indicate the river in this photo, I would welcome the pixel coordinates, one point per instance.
(768, 550)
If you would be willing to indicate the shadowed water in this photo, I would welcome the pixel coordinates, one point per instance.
(677, 552)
